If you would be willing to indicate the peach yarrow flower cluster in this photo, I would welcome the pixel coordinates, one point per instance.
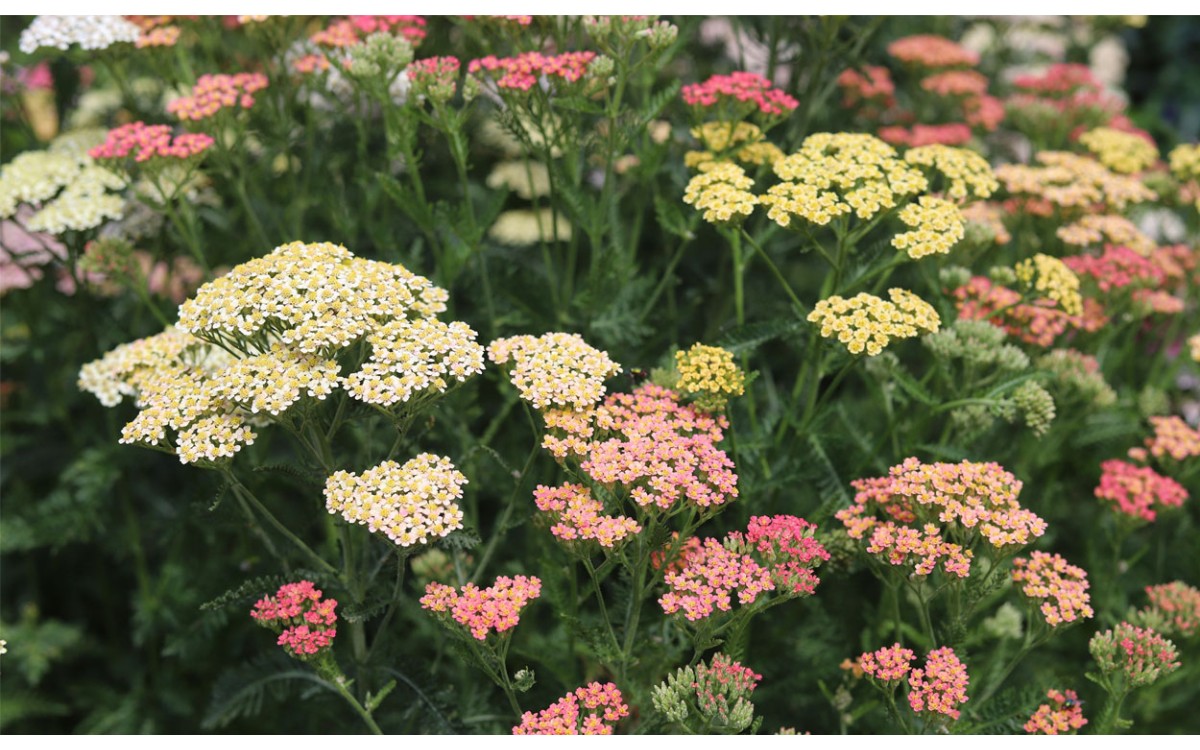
(888, 664)
(411, 503)
(577, 516)
(482, 612)
(932, 51)
(1063, 716)
(304, 620)
(1173, 437)
(215, 92)
(1060, 586)
(593, 709)
(1138, 491)
(144, 142)
(521, 73)
(940, 686)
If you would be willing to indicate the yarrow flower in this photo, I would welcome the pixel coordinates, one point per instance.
(711, 698)
(1039, 322)
(872, 85)
(1063, 716)
(523, 227)
(145, 142)
(522, 72)
(722, 191)
(482, 612)
(89, 32)
(1174, 609)
(946, 134)
(1122, 152)
(938, 226)
(1138, 491)
(1173, 437)
(1094, 229)
(1061, 587)
(306, 622)
(593, 709)
(932, 51)
(1070, 181)
(64, 185)
(434, 77)
(1139, 655)
(710, 374)
(1053, 280)
(214, 92)
(967, 174)
(412, 360)
(577, 516)
(941, 686)
(739, 93)
(555, 369)
(956, 83)
(411, 503)
(349, 31)
(888, 664)
(1117, 268)
(867, 323)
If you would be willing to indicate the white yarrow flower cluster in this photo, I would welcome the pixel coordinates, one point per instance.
(411, 357)
(89, 32)
(556, 369)
(68, 189)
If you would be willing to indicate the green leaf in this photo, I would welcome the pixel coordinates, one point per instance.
(747, 338)
(254, 588)
(241, 691)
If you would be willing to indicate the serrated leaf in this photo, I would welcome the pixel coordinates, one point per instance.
(253, 588)
(749, 337)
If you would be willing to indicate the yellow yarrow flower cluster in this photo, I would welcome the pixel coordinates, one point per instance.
(1096, 229)
(1051, 278)
(1072, 181)
(938, 226)
(1123, 153)
(68, 189)
(867, 323)
(1194, 345)
(415, 358)
(743, 141)
(1185, 161)
(410, 503)
(710, 374)
(555, 369)
(969, 175)
(834, 174)
(722, 192)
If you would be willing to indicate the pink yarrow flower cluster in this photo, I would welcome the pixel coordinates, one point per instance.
(523, 71)
(1178, 604)
(496, 609)
(941, 686)
(594, 709)
(1118, 267)
(1138, 491)
(872, 84)
(888, 664)
(1140, 655)
(305, 621)
(932, 51)
(145, 142)
(785, 545)
(949, 134)
(577, 516)
(1039, 323)
(1061, 587)
(435, 77)
(721, 685)
(1063, 715)
(214, 92)
(739, 89)
(345, 32)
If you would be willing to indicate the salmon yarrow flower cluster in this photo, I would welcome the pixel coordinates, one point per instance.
(867, 323)
(410, 503)
(413, 360)
(1173, 437)
(738, 95)
(89, 32)
(1138, 491)
(939, 687)
(1116, 268)
(1038, 322)
(956, 83)
(576, 516)
(889, 664)
(483, 612)
(967, 175)
(305, 621)
(870, 85)
(1070, 181)
(932, 51)
(1138, 655)
(1095, 229)
(555, 369)
(834, 174)
(140, 143)
(949, 134)
(1059, 586)
(709, 374)
(215, 92)
(1053, 280)
(522, 72)
(711, 698)
(1063, 715)
(1122, 152)
(937, 227)
(593, 709)
(722, 191)
(1174, 609)
(925, 515)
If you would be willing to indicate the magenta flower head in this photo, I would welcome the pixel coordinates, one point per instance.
(306, 622)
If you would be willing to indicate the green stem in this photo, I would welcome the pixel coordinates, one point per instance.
(246, 495)
(340, 686)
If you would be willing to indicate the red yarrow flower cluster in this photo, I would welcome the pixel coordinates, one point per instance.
(522, 72)
(1173, 437)
(145, 142)
(577, 516)
(941, 686)
(1063, 716)
(594, 709)
(214, 92)
(739, 89)
(1118, 267)
(872, 84)
(496, 609)
(932, 51)
(888, 664)
(304, 620)
(1138, 491)
(1061, 587)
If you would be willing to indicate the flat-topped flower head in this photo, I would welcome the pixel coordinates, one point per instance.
(65, 188)
(1072, 182)
(1063, 715)
(273, 381)
(411, 503)
(522, 72)
(576, 516)
(738, 95)
(1058, 588)
(139, 142)
(1122, 152)
(867, 323)
(940, 687)
(593, 709)
(1173, 437)
(555, 369)
(722, 191)
(1039, 322)
(215, 92)
(1185, 161)
(349, 31)
(415, 359)
(122, 371)
(1118, 267)
(306, 622)
(888, 664)
(89, 32)
(1107, 229)
(1139, 655)
(709, 374)
(1138, 491)
(937, 224)
(932, 51)
(483, 612)
(952, 83)
(1051, 279)
(945, 134)
(872, 85)
(1174, 609)
(966, 174)
(786, 546)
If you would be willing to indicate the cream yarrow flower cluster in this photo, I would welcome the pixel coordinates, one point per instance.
(271, 382)
(968, 175)
(89, 32)
(1072, 181)
(555, 369)
(710, 374)
(867, 323)
(937, 224)
(1185, 161)
(410, 358)
(1097, 229)
(1053, 280)
(122, 371)
(68, 188)
(1122, 152)
(410, 503)
(722, 192)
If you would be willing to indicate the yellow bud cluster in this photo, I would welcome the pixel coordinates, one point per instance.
(1072, 181)
(1051, 278)
(555, 369)
(722, 192)
(867, 323)
(969, 175)
(410, 358)
(835, 173)
(1123, 153)
(938, 226)
(410, 503)
(1096, 229)
(1185, 161)
(710, 374)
